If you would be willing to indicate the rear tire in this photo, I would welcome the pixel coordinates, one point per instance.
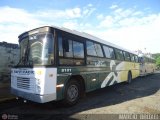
(72, 93)
(129, 78)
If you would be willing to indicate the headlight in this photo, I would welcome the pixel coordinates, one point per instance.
(39, 72)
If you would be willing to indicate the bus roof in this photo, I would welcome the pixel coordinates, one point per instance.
(146, 55)
(86, 35)
(91, 37)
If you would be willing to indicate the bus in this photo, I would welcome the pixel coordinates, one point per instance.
(62, 64)
(147, 64)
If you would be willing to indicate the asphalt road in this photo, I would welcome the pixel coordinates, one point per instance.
(113, 95)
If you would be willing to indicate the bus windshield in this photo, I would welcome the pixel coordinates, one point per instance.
(37, 49)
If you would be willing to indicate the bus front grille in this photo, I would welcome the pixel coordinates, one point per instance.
(23, 83)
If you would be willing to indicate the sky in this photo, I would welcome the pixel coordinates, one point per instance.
(131, 24)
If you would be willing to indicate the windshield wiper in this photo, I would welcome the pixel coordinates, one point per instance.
(27, 61)
(24, 60)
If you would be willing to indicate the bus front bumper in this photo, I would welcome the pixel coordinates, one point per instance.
(34, 97)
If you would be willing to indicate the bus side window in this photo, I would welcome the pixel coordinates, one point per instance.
(107, 52)
(136, 58)
(78, 49)
(126, 56)
(132, 57)
(60, 46)
(119, 54)
(98, 50)
(91, 49)
(94, 49)
(111, 50)
(68, 49)
(71, 52)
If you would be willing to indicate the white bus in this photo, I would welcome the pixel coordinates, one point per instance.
(62, 64)
(147, 65)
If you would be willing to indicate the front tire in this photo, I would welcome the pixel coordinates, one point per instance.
(72, 93)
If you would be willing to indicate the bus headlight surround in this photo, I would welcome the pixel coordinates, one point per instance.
(38, 82)
(38, 89)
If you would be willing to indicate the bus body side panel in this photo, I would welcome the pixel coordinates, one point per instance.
(63, 75)
(124, 67)
(97, 70)
(90, 75)
(119, 72)
(135, 70)
(100, 73)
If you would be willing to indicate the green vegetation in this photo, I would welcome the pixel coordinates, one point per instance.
(157, 57)
(158, 62)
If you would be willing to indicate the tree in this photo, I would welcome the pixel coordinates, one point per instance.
(156, 55)
(158, 62)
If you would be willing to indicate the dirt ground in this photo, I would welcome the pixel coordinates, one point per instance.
(142, 96)
(149, 104)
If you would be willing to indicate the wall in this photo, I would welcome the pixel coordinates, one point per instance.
(9, 56)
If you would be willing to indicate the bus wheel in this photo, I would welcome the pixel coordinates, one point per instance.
(72, 93)
(129, 77)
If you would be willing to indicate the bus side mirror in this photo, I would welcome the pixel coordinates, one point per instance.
(66, 45)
